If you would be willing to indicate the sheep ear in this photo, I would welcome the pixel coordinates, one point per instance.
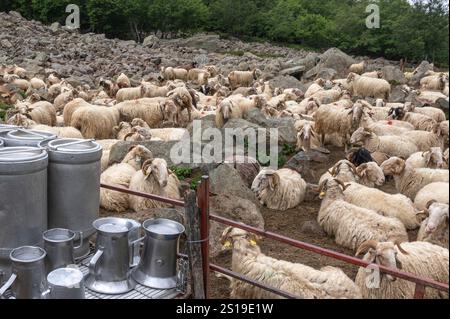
(422, 215)
(429, 203)
(274, 181)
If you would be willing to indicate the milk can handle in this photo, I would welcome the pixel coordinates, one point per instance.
(7, 284)
(94, 261)
(81, 241)
(46, 293)
(133, 247)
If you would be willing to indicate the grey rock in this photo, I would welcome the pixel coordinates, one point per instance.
(235, 208)
(296, 71)
(393, 74)
(302, 160)
(334, 59)
(226, 180)
(5, 43)
(151, 41)
(287, 82)
(423, 67)
(54, 27)
(327, 74)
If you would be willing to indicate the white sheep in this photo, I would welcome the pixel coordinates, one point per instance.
(38, 84)
(409, 180)
(374, 74)
(351, 225)
(154, 178)
(419, 258)
(358, 67)
(242, 78)
(281, 190)
(168, 134)
(419, 121)
(389, 144)
(300, 280)
(315, 87)
(95, 121)
(398, 206)
(434, 82)
(121, 130)
(70, 107)
(123, 81)
(434, 158)
(437, 191)
(369, 87)
(198, 76)
(434, 228)
(433, 112)
(120, 175)
(149, 110)
(171, 74)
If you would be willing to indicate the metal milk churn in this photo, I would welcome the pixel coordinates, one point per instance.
(23, 200)
(23, 137)
(157, 267)
(28, 279)
(74, 187)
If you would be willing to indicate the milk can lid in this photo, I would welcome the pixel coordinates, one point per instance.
(21, 154)
(72, 146)
(33, 135)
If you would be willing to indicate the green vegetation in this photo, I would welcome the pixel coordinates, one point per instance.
(195, 182)
(182, 173)
(415, 30)
(3, 108)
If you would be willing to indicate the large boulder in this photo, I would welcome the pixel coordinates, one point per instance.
(423, 68)
(235, 208)
(327, 74)
(226, 180)
(296, 71)
(331, 59)
(393, 74)
(286, 82)
(303, 161)
(151, 41)
(246, 166)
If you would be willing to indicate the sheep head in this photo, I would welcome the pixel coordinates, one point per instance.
(360, 136)
(371, 172)
(256, 74)
(232, 234)
(138, 154)
(336, 169)
(396, 113)
(382, 253)
(156, 167)
(434, 158)
(437, 215)
(332, 186)
(380, 103)
(393, 166)
(266, 179)
(351, 77)
(226, 108)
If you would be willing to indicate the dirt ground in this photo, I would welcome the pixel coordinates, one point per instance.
(287, 223)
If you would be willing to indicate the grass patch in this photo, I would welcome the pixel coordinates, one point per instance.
(3, 109)
(195, 182)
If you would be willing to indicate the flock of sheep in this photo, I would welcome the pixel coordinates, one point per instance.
(405, 141)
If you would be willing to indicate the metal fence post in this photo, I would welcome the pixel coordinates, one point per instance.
(203, 204)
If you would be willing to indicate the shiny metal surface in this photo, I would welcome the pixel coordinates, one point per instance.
(24, 137)
(158, 265)
(65, 283)
(23, 201)
(110, 267)
(74, 187)
(58, 243)
(27, 280)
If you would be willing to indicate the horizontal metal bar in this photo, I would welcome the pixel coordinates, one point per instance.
(332, 254)
(171, 201)
(251, 281)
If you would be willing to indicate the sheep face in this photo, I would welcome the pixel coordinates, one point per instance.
(170, 111)
(142, 131)
(230, 235)
(393, 166)
(139, 154)
(383, 253)
(437, 215)
(360, 136)
(226, 109)
(434, 158)
(333, 187)
(266, 179)
(158, 169)
(371, 172)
